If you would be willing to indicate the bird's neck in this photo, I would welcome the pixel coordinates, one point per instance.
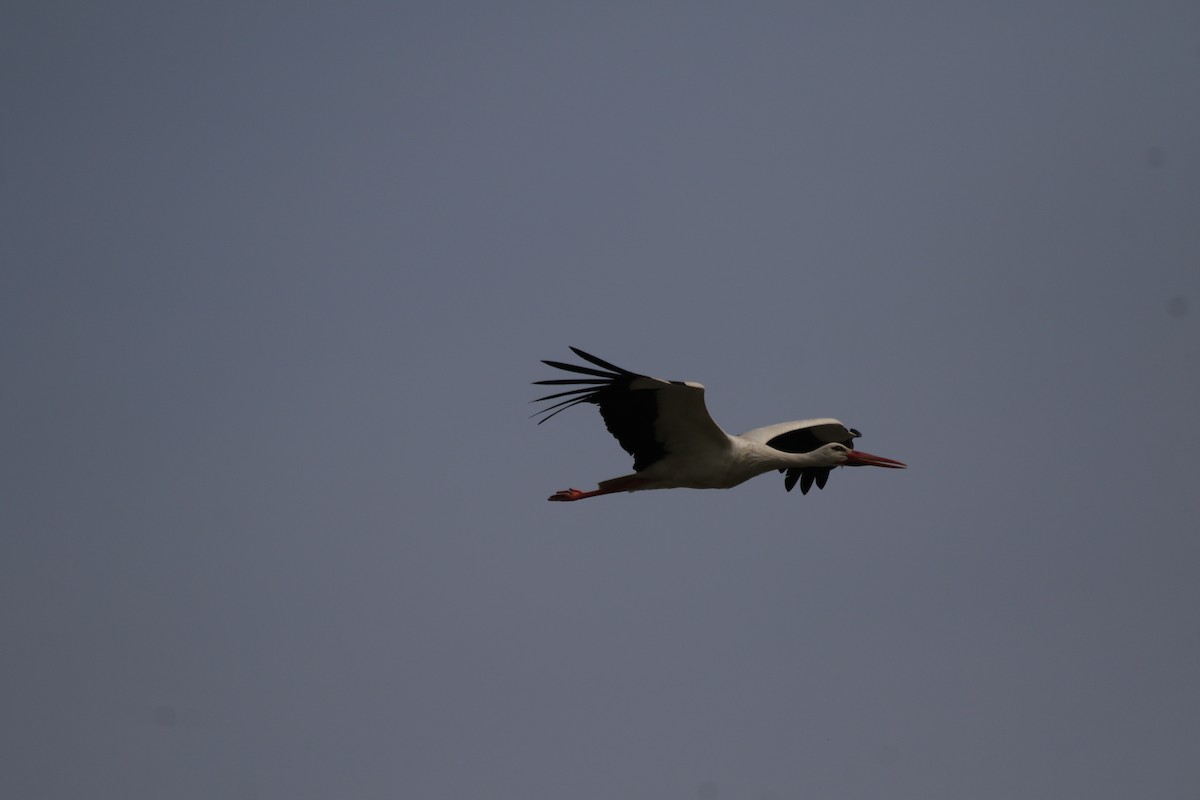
(770, 458)
(802, 460)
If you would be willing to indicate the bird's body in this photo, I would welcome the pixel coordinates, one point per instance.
(666, 427)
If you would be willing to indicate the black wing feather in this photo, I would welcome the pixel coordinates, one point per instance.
(599, 362)
(629, 414)
(805, 440)
(576, 368)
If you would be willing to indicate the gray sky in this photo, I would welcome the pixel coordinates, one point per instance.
(276, 280)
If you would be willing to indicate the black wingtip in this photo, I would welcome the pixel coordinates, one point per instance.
(822, 476)
(589, 386)
(599, 362)
(577, 368)
(596, 382)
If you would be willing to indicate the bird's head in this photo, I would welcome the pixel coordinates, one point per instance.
(837, 455)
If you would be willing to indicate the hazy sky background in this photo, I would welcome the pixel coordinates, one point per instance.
(276, 278)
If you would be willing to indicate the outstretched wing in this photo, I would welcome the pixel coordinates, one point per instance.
(648, 416)
(804, 436)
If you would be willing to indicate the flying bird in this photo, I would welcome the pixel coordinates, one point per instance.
(665, 426)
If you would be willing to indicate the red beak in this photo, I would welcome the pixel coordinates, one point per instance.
(858, 458)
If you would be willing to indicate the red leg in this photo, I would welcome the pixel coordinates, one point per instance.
(567, 495)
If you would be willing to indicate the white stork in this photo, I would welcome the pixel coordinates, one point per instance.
(675, 443)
